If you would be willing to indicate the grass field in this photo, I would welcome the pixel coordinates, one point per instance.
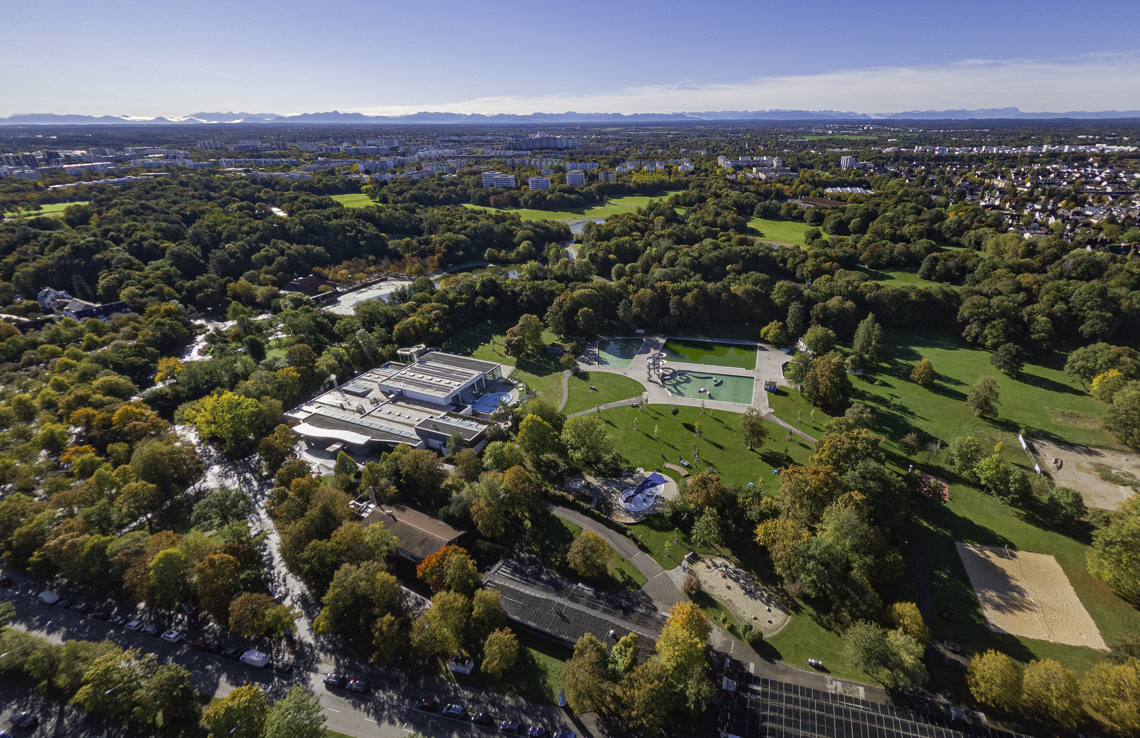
(549, 537)
(53, 208)
(611, 388)
(613, 207)
(356, 200)
(485, 342)
(784, 231)
(789, 405)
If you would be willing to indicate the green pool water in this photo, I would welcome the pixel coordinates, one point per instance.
(618, 352)
(688, 384)
(713, 354)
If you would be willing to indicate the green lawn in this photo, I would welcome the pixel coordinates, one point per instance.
(790, 406)
(613, 207)
(720, 444)
(537, 675)
(356, 200)
(549, 537)
(803, 638)
(784, 231)
(485, 342)
(52, 208)
(611, 388)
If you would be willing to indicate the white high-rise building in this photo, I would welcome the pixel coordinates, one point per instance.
(846, 162)
(538, 183)
(576, 178)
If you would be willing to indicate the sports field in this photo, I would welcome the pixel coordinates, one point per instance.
(356, 200)
(784, 231)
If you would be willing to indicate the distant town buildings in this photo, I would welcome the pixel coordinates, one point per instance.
(538, 183)
(498, 179)
(607, 176)
(576, 178)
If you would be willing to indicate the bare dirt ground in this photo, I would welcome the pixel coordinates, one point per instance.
(1028, 595)
(1078, 471)
(740, 593)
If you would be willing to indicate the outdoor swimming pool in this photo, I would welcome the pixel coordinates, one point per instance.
(709, 352)
(486, 403)
(721, 387)
(618, 352)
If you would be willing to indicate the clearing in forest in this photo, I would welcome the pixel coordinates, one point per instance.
(1028, 595)
(1105, 479)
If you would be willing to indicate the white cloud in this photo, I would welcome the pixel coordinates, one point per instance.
(1097, 82)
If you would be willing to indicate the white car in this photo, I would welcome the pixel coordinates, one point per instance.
(255, 658)
(133, 626)
(172, 636)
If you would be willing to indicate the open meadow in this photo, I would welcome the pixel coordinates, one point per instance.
(613, 207)
(782, 231)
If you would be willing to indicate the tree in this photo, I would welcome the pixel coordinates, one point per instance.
(909, 444)
(524, 496)
(218, 584)
(449, 568)
(236, 422)
(706, 531)
(774, 334)
(489, 510)
(868, 342)
(502, 455)
(983, 397)
(906, 617)
(646, 693)
(623, 656)
(1050, 691)
(1123, 647)
(487, 616)
(822, 566)
(240, 714)
(585, 677)
(683, 652)
(589, 555)
(1123, 415)
(500, 651)
(247, 613)
(963, 454)
(1106, 385)
(866, 647)
(846, 450)
(1003, 480)
(536, 438)
(171, 466)
(819, 340)
(167, 697)
(110, 684)
(296, 715)
(441, 629)
(923, 373)
(169, 578)
(358, 595)
(586, 441)
(994, 680)
(796, 370)
(1113, 692)
(806, 491)
(344, 472)
(525, 338)
(826, 384)
(138, 499)
(1007, 359)
(220, 508)
(753, 428)
(1115, 555)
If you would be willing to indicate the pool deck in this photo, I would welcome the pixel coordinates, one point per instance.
(769, 365)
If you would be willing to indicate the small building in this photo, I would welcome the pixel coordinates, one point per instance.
(418, 535)
(311, 285)
(82, 310)
(576, 178)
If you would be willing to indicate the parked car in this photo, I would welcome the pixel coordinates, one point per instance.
(509, 726)
(100, 615)
(255, 658)
(172, 636)
(359, 686)
(5, 580)
(231, 653)
(283, 669)
(48, 597)
(118, 620)
(150, 630)
(134, 626)
(335, 680)
(64, 603)
(536, 731)
(199, 644)
(454, 711)
(564, 734)
(427, 704)
(25, 720)
(481, 718)
(80, 607)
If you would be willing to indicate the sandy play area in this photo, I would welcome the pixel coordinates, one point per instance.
(740, 593)
(1028, 595)
(1078, 471)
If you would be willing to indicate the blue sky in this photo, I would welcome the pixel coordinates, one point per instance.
(169, 57)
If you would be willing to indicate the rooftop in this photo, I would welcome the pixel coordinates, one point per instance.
(418, 534)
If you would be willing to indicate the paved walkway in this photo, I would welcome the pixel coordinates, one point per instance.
(565, 389)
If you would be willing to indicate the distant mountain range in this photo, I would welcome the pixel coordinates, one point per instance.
(335, 118)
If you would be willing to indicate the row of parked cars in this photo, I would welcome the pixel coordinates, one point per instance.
(252, 657)
(456, 711)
